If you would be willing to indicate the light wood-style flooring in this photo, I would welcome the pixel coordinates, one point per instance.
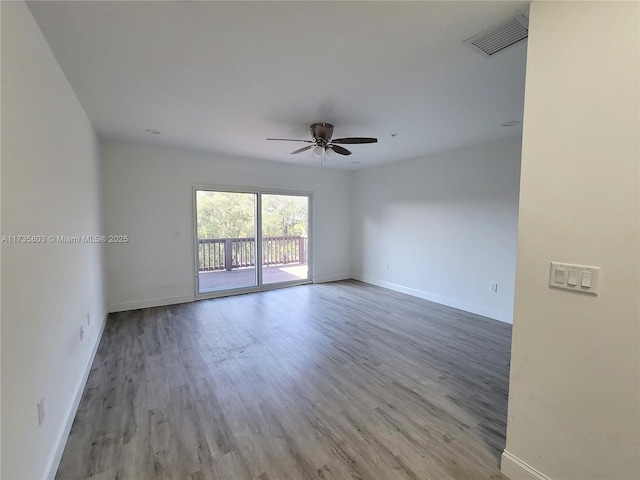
(332, 381)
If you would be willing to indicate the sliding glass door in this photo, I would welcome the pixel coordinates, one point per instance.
(234, 229)
(226, 233)
(285, 242)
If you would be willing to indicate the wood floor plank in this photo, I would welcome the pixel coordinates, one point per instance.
(332, 381)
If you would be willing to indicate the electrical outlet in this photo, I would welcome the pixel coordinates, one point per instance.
(81, 333)
(493, 288)
(387, 266)
(41, 412)
(88, 319)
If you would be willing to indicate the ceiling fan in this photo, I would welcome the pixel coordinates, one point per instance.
(322, 143)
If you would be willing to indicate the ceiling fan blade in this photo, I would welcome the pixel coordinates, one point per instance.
(291, 140)
(353, 140)
(302, 149)
(339, 149)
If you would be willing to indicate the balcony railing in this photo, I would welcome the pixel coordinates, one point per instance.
(230, 253)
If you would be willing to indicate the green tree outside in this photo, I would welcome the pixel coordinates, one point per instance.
(231, 214)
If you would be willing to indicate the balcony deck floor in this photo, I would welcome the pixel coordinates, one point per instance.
(246, 277)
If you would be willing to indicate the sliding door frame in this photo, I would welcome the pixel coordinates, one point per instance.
(258, 192)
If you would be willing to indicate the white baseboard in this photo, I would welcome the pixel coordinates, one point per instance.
(331, 278)
(155, 302)
(61, 441)
(516, 469)
(506, 317)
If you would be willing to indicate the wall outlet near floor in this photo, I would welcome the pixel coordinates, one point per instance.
(41, 412)
(81, 333)
(493, 288)
(387, 266)
(88, 319)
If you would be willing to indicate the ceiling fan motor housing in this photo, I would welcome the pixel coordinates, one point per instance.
(321, 132)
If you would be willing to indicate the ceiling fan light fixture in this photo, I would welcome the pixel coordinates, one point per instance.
(323, 146)
(329, 152)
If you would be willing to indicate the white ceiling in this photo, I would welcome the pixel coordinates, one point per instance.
(221, 77)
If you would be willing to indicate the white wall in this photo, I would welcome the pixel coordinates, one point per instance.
(445, 224)
(0, 248)
(50, 185)
(574, 397)
(148, 196)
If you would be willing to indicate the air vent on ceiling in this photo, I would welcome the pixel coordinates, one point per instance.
(500, 36)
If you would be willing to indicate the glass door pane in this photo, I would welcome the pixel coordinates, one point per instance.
(285, 243)
(226, 233)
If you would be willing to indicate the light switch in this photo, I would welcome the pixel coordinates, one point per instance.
(577, 278)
